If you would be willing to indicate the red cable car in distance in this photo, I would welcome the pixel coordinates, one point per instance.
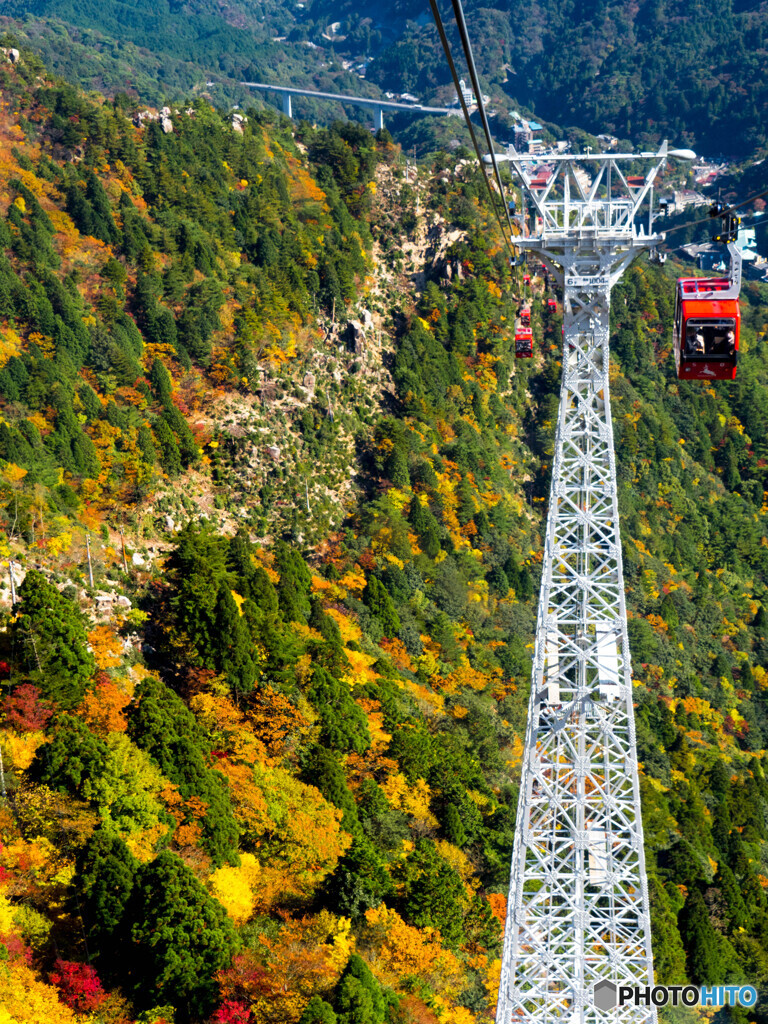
(523, 343)
(525, 316)
(707, 322)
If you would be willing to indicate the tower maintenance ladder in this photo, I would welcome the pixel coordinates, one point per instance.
(578, 913)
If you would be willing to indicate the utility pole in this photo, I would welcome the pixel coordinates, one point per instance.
(578, 912)
(90, 566)
(13, 582)
(122, 545)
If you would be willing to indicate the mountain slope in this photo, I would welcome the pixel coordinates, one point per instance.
(265, 768)
(659, 69)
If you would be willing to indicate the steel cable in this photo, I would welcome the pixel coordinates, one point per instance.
(465, 110)
(458, 10)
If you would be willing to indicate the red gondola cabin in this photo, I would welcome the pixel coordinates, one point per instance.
(525, 316)
(707, 320)
(526, 278)
(551, 303)
(523, 343)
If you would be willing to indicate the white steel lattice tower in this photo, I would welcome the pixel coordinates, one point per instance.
(578, 910)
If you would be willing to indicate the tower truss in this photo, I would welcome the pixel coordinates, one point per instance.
(578, 910)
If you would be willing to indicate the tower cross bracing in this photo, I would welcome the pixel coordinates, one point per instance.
(578, 911)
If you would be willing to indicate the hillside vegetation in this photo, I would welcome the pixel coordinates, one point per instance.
(692, 73)
(265, 769)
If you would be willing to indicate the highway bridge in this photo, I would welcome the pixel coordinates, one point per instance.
(378, 106)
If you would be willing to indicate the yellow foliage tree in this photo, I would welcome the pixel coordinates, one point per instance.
(106, 647)
(413, 798)
(397, 949)
(234, 887)
(24, 999)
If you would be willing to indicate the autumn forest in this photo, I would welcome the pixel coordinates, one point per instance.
(272, 495)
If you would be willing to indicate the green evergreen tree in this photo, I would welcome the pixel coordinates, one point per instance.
(161, 724)
(105, 876)
(397, 468)
(425, 525)
(433, 893)
(295, 582)
(103, 224)
(321, 769)
(721, 827)
(181, 938)
(188, 450)
(73, 758)
(454, 829)
(360, 881)
(358, 997)
(170, 457)
(498, 583)
(240, 562)
(526, 584)
(197, 568)
(327, 626)
(670, 615)
(747, 679)
(317, 1011)
(344, 726)
(380, 603)
(733, 905)
(161, 382)
(700, 941)
(50, 634)
(482, 927)
(146, 445)
(668, 952)
(234, 646)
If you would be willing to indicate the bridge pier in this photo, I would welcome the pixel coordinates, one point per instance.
(378, 119)
(287, 107)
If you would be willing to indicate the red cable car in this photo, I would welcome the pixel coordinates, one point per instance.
(552, 303)
(523, 343)
(526, 278)
(525, 316)
(707, 320)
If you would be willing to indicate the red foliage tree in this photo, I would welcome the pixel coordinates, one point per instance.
(24, 710)
(78, 984)
(232, 1011)
(15, 948)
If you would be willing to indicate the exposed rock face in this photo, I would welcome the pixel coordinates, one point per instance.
(356, 337)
